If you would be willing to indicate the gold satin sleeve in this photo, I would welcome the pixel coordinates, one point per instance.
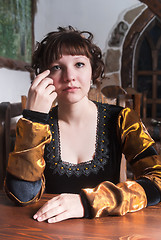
(109, 199)
(134, 136)
(135, 139)
(129, 196)
(26, 162)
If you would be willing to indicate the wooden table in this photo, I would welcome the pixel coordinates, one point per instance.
(17, 223)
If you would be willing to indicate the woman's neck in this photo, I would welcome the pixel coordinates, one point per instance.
(77, 112)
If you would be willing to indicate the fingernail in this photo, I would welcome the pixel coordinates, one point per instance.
(39, 219)
(35, 216)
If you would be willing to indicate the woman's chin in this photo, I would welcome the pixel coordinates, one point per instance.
(71, 99)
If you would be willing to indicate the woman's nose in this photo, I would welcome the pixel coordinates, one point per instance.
(69, 75)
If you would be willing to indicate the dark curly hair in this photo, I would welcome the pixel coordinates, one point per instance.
(70, 42)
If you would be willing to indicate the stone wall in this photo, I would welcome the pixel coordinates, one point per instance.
(113, 50)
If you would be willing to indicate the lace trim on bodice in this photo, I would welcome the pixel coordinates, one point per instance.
(101, 156)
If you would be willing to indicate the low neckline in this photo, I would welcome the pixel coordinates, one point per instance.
(96, 144)
(100, 158)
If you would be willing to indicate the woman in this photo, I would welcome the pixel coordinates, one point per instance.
(81, 141)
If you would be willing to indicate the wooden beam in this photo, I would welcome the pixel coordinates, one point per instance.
(154, 6)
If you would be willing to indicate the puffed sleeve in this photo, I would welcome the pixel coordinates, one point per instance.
(27, 162)
(110, 199)
(134, 137)
(135, 140)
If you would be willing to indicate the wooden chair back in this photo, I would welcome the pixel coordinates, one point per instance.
(130, 100)
(7, 133)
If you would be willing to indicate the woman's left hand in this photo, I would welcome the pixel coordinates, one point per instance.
(60, 208)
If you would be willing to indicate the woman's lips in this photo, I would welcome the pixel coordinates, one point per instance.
(70, 89)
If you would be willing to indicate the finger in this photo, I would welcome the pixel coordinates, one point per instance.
(50, 88)
(47, 206)
(40, 77)
(62, 216)
(53, 96)
(47, 91)
(42, 84)
(51, 213)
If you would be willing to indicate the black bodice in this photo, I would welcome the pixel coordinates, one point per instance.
(105, 165)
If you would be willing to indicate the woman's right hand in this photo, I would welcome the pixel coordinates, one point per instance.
(41, 93)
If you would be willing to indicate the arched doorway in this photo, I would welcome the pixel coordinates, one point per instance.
(147, 68)
(141, 67)
(131, 48)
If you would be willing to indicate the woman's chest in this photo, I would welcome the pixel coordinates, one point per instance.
(105, 161)
(78, 144)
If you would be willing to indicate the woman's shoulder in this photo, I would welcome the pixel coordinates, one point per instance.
(117, 110)
(110, 108)
(53, 111)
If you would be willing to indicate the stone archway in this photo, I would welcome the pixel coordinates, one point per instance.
(120, 44)
(128, 50)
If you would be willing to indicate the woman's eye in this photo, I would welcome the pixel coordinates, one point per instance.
(55, 68)
(80, 64)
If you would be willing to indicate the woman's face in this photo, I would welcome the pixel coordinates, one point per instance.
(71, 77)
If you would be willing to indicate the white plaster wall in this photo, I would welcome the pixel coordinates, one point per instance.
(13, 84)
(97, 16)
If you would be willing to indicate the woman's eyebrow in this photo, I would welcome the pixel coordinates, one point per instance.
(81, 57)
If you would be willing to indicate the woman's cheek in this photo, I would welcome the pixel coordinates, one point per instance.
(57, 88)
